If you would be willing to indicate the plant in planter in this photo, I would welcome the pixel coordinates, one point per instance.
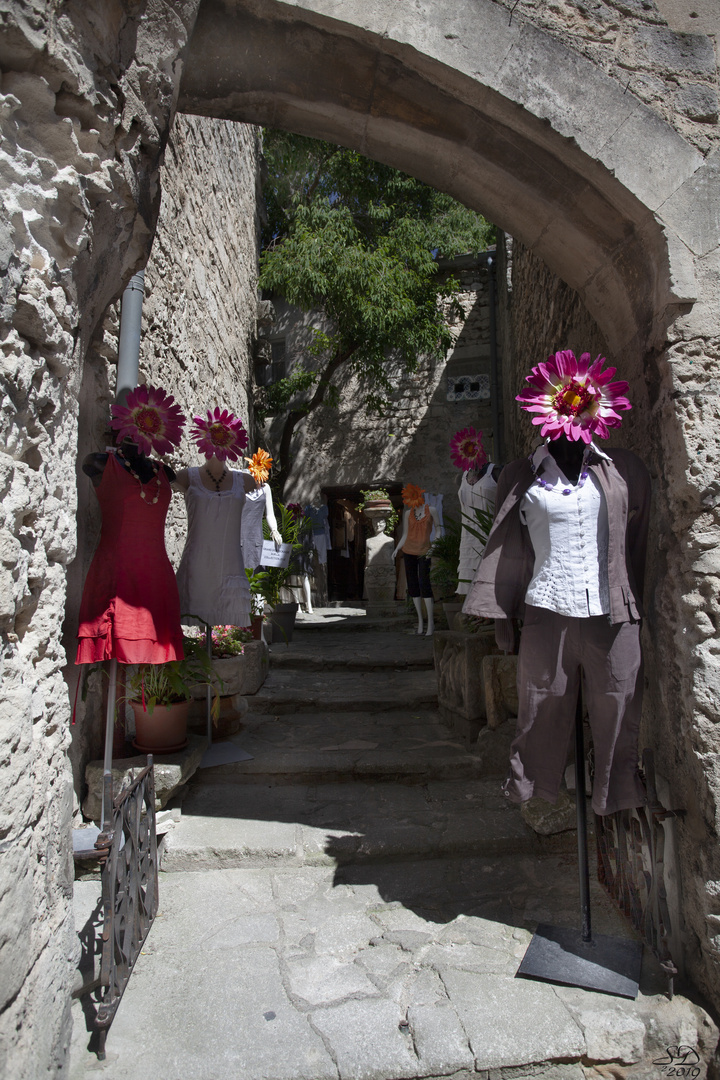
(376, 497)
(266, 583)
(160, 697)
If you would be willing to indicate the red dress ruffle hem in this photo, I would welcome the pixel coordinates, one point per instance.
(130, 608)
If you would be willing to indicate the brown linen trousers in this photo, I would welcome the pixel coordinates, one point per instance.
(555, 648)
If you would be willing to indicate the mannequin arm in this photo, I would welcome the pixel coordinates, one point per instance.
(505, 635)
(403, 538)
(182, 481)
(94, 467)
(270, 515)
(436, 520)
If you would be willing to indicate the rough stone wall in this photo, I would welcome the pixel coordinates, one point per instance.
(87, 94)
(198, 332)
(666, 60)
(352, 446)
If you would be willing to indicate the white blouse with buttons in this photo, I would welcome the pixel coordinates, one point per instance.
(569, 535)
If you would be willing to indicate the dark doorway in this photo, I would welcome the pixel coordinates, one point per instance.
(346, 558)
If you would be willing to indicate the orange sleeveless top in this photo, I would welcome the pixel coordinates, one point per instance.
(418, 537)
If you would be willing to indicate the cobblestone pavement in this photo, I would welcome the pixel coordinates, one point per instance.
(354, 902)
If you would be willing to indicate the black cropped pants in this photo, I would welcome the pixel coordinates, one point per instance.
(417, 572)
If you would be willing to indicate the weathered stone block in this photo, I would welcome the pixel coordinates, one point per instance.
(171, 772)
(499, 679)
(239, 674)
(698, 102)
(461, 697)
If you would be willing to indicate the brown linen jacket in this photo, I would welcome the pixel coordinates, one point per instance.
(499, 587)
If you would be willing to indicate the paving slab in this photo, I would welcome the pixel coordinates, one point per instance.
(375, 972)
(289, 691)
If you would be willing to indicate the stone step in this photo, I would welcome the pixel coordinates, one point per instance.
(289, 691)
(383, 652)
(232, 825)
(402, 745)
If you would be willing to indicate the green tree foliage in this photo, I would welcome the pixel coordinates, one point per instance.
(358, 241)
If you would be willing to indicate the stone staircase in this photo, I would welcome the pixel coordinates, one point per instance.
(354, 902)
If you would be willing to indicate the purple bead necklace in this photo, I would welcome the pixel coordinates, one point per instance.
(568, 490)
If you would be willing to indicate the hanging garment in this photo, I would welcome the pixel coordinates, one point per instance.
(417, 541)
(130, 609)
(211, 577)
(477, 496)
(436, 501)
(318, 516)
(251, 533)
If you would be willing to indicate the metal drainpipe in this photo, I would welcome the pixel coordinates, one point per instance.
(498, 448)
(127, 377)
(130, 326)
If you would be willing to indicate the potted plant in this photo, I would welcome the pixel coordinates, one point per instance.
(377, 499)
(160, 697)
(267, 582)
(445, 554)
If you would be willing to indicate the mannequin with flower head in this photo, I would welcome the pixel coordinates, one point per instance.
(476, 491)
(259, 505)
(417, 524)
(566, 554)
(130, 611)
(211, 577)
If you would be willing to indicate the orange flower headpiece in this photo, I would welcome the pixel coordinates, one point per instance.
(412, 495)
(259, 466)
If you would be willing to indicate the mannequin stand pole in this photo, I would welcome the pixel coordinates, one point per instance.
(208, 646)
(109, 735)
(561, 955)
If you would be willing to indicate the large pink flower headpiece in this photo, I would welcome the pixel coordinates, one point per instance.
(150, 418)
(574, 397)
(467, 450)
(222, 435)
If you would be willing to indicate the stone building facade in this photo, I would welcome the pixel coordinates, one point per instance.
(353, 447)
(588, 132)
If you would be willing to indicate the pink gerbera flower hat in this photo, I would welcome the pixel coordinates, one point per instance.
(222, 435)
(467, 450)
(574, 397)
(151, 418)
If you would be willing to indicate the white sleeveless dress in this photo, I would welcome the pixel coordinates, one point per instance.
(251, 536)
(211, 577)
(481, 496)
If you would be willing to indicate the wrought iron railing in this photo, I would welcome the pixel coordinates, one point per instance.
(632, 848)
(127, 850)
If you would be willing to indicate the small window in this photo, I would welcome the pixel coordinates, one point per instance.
(277, 349)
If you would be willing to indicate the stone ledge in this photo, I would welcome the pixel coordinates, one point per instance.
(171, 772)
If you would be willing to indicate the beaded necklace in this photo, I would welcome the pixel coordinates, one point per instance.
(568, 490)
(156, 473)
(220, 479)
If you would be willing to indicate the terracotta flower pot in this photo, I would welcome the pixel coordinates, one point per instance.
(164, 730)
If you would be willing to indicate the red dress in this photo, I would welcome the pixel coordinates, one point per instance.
(130, 607)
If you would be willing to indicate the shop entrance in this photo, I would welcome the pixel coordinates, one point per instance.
(346, 558)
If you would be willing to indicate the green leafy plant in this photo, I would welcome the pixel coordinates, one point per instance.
(445, 553)
(379, 493)
(167, 684)
(268, 581)
(357, 242)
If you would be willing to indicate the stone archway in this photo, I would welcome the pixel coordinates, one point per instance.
(516, 123)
